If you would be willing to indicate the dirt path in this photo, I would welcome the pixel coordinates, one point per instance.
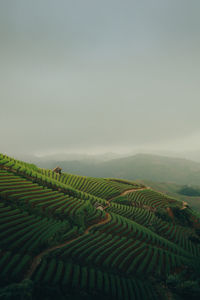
(37, 260)
(127, 192)
(134, 190)
(170, 212)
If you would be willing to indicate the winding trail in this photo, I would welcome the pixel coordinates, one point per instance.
(37, 260)
(170, 212)
(128, 192)
(134, 190)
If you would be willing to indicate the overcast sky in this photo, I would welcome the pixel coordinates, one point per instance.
(93, 76)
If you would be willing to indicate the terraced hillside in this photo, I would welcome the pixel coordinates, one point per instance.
(80, 237)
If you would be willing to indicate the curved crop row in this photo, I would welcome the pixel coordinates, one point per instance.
(28, 233)
(95, 186)
(89, 279)
(45, 200)
(180, 236)
(13, 266)
(137, 214)
(149, 198)
(121, 226)
(49, 179)
(174, 233)
(123, 253)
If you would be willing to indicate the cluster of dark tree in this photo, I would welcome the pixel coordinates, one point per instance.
(163, 214)
(189, 191)
(186, 286)
(18, 291)
(183, 216)
(27, 290)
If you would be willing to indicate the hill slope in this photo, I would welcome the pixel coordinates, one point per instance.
(140, 166)
(82, 237)
(174, 190)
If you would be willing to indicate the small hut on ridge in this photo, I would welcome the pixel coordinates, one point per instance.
(57, 170)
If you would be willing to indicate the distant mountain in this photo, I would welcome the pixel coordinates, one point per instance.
(154, 167)
(139, 166)
(193, 155)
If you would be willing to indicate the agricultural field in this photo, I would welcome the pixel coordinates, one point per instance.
(80, 237)
(175, 190)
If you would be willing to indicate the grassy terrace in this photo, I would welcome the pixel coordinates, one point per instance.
(52, 234)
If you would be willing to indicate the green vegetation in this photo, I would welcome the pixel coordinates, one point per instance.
(55, 243)
(173, 190)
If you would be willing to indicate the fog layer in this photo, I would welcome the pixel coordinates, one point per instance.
(95, 76)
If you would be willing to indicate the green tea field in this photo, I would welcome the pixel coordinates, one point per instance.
(75, 237)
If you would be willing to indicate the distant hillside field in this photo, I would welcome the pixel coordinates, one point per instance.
(140, 166)
(66, 236)
(173, 190)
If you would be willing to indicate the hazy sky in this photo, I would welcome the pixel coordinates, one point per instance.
(109, 75)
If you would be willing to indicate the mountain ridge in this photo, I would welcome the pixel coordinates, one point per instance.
(140, 166)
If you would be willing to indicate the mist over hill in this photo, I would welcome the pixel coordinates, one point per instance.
(139, 166)
(165, 174)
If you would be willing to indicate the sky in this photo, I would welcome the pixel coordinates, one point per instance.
(95, 76)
